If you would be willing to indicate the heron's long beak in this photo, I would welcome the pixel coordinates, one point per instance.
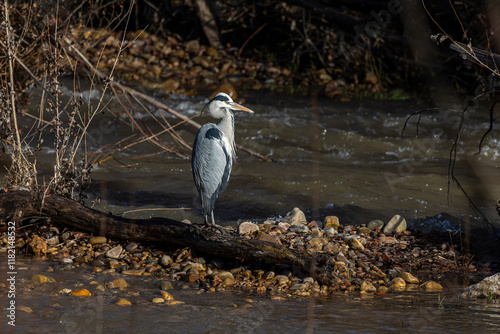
(236, 106)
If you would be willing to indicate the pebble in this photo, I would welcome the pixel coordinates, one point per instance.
(114, 264)
(158, 300)
(98, 240)
(356, 244)
(396, 224)
(376, 224)
(81, 293)
(364, 230)
(330, 247)
(123, 302)
(25, 309)
(225, 274)
(65, 291)
(40, 279)
(134, 272)
(298, 229)
(318, 241)
(284, 226)
(295, 217)
(409, 278)
(173, 302)
(53, 241)
(399, 284)
(166, 296)
(431, 286)
(131, 247)
(114, 252)
(282, 279)
(331, 221)
(118, 283)
(387, 240)
(247, 228)
(329, 231)
(166, 260)
(367, 286)
(298, 286)
(166, 285)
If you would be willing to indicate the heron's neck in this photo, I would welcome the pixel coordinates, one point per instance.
(226, 125)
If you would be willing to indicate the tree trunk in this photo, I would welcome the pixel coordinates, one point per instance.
(17, 205)
(208, 23)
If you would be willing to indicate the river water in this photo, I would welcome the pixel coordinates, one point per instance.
(348, 158)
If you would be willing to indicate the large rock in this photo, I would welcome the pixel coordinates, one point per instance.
(295, 217)
(247, 228)
(487, 288)
(396, 224)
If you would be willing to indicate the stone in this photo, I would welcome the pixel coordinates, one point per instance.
(383, 289)
(97, 263)
(114, 252)
(387, 240)
(166, 285)
(173, 302)
(98, 240)
(53, 241)
(318, 241)
(376, 224)
(331, 221)
(225, 274)
(330, 247)
(364, 230)
(308, 280)
(431, 286)
(284, 226)
(158, 300)
(247, 228)
(228, 281)
(123, 302)
(270, 238)
(396, 224)
(282, 279)
(409, 278)
(166, 296)
(114, 264)
(298, 286)
(81, 293)
(355, 244)
(37, 245)
(166, 260)
(399, 284)
(118, 283)
(367, 286)
(40, 279)
(329, 231)
(295, 217)
(487, 288)
(131, 247)
(25, 309)
(134, 272)
(298, 229)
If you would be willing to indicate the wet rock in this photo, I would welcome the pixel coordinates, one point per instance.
(308, 280)
(487, 288)
(123, 302)
(247, 228)
(284, 226)
(158, 300)
(431, 286)
(383, 289)
(166, 296)
(270, 238)
(268, 275)
(329, 231)
(81, 293)
(398, 284)
(298, 229)
(396, 224)
(131, 247)
(118, 283)
(37, 245)
(409, 278)
(296, 217)
(98, 240)
(166, 260)
(114, 264)
(228, 281)
(40, 279)
(114, 252)
(166, 285)
(367, 286)
(331, 221)
(312, 225)
(134, 272)
(375, 224)
(387, 240)
(298, 286)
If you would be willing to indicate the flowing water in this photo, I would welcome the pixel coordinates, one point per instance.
(329, 157)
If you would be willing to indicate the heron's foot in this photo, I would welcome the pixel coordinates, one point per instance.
(221, 229)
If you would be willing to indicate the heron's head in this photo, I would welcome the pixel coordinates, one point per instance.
(221, 105)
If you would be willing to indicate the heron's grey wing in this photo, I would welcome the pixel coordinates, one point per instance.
(211, 162)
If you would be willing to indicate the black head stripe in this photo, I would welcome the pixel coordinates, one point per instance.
(221, 98)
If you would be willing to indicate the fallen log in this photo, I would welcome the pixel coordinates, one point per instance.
(19, 205)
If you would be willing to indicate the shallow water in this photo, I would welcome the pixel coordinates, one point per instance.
(230, 312)
(326, 157)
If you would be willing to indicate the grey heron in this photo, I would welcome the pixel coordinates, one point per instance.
(214, 153)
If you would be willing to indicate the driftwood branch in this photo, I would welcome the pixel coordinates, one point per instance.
(80, 57)
(17, 205)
